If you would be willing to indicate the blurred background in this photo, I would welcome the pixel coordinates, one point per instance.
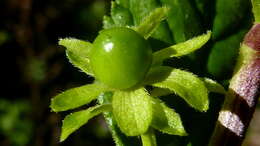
(34, 69)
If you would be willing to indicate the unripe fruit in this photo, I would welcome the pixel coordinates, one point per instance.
(120, 57)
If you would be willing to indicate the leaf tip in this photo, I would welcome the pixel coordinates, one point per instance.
(52, 105)
(208, 34)
(55, 106)
(183, 133)
(205, 107)
(63, 138)
(62, 41)
(67, 41)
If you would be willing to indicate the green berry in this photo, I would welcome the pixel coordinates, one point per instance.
(120, 57)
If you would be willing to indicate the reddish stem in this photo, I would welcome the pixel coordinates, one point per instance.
(242, 96)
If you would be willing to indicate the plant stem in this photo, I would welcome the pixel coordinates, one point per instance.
(148, 138)
(242, 96)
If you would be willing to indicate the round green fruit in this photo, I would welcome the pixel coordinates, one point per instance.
(120, 57)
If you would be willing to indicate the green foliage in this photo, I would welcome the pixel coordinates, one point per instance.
(182, 19)
(151, 22)
(220, 63)
(142, 9)
(75, 120)
(157, 92)
(15, 123)
(120, 15)
(201, 5)
(78, 53)
(166, 119)
(108, 22)
(135, 102)
(124, 3)
(76, 97)
(148, 138)
(36, 69)
(229, 15)
(186, 85)
(256, 10)
(119, 138)
(181, 48)
(132, 111)
(213, 86)
(135, 112)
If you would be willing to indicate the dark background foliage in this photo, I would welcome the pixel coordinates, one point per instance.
(34, 69)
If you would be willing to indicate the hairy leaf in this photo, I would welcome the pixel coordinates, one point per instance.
(166, 119)
(186, 85)
(181, 48)
(157, 74)
(76, 97)
(152, 21)
(75, 120)
(157, 92)
(140, 9)
(213, 86)
(132, 111)
(119, 138)
(78, 53)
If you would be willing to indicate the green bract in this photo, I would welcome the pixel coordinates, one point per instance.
(120, 57)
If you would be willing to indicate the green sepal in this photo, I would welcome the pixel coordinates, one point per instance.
(75, 120)
(76, 97)
(132, 111)
(157, 92)
(181, 48)
(108, 22)
(213, 86)
(78, 52)
(166, 119)
(141, 9)
(152, 21)
(183, 83)
(119, 138)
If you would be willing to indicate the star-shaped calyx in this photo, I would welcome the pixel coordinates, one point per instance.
(121, 78)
